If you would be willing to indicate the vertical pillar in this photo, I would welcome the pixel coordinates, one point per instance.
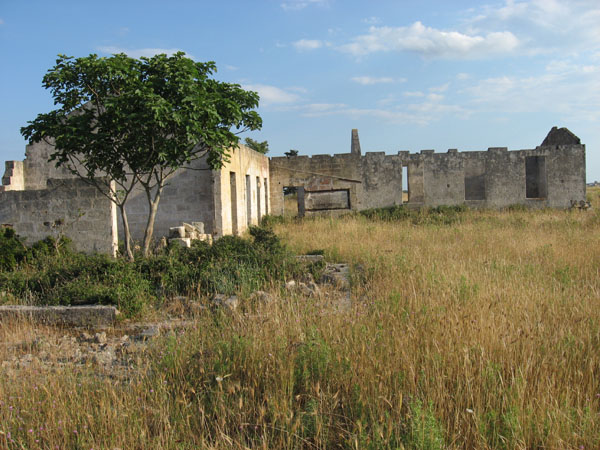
(355, 146)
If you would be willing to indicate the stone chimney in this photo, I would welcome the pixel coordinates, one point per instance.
(355, 147)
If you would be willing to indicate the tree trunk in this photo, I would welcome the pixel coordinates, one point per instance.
(126, 232)
(153, 205)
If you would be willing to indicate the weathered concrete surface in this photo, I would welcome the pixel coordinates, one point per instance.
(187, 197)
(495, 178)
(241, 192)
(38, 200)
(66, 207)
(75, 316)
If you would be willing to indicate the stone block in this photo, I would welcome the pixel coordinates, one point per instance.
(177, 232)
(199, 227)
(184, 242)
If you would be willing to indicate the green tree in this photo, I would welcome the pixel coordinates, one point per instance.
(260, 147)
(124, 122)
(292, 152)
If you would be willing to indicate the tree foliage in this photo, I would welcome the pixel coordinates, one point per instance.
(260, 147)
(137, 121)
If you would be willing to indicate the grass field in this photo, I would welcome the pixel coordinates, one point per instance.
(481, 330)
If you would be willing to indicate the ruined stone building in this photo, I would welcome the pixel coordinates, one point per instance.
(551, 175)
(38, 200)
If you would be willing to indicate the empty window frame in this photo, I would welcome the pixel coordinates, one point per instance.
(327, 200)
(405, 185)
(536, 185)
(258, 199)
(248, 201)
(234, 205)
(266, 189)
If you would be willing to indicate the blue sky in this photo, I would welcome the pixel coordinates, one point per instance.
(410, 75)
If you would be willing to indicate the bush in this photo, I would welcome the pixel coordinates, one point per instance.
(12, 250)
(52, 273)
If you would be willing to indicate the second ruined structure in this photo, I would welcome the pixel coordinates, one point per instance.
(37, 199)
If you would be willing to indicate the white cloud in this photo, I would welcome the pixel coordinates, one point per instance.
(462, 76)
(298, 89)
(307, 44)
(435, 97)
(429, 110)
(138, 52)
(569, 90)
(372, 20)
(367, 80)
(231, 68)
(272, 95)
(1, 21)
(430, 42)
(413, 94)
(545, 26)
(297, 5)
(441, 88)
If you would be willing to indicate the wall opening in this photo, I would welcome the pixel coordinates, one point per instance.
(474, 179)
(405, 185)
(290, 201)
(266, 188)
(248, 201)
(327, 200)
(258, 200)
(535, 177)
(233, 191)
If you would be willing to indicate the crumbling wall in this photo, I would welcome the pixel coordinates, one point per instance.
(241, 191)
(68, 208)
(497, 178)
(552, 175)
(318, 173)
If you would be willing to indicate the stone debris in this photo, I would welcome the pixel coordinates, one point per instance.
(110, 352)
(186, 233)
(580, 204)
(230, 302)
(337, 275)
(148, 333)
(310, 258)
(262, 297)
(115, 352)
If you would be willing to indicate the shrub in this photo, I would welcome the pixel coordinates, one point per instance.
(52, 273)
(12, 250)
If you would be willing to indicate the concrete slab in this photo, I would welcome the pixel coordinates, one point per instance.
(93, 316)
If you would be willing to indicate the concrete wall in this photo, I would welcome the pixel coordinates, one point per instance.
(66, 207)
(372, 181)
(187, 197)
(502, 179)
(241, 190)
(495, 178)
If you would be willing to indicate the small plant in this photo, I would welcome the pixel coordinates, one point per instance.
(425, 432)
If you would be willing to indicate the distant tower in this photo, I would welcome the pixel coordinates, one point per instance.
(355, 148)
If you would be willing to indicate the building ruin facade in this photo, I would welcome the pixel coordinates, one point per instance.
(37, 199)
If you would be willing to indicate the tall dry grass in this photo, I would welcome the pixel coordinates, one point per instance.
(479, 334)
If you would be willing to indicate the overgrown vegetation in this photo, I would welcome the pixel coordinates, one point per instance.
(52, 273)
(483, 334)
(439, 215)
